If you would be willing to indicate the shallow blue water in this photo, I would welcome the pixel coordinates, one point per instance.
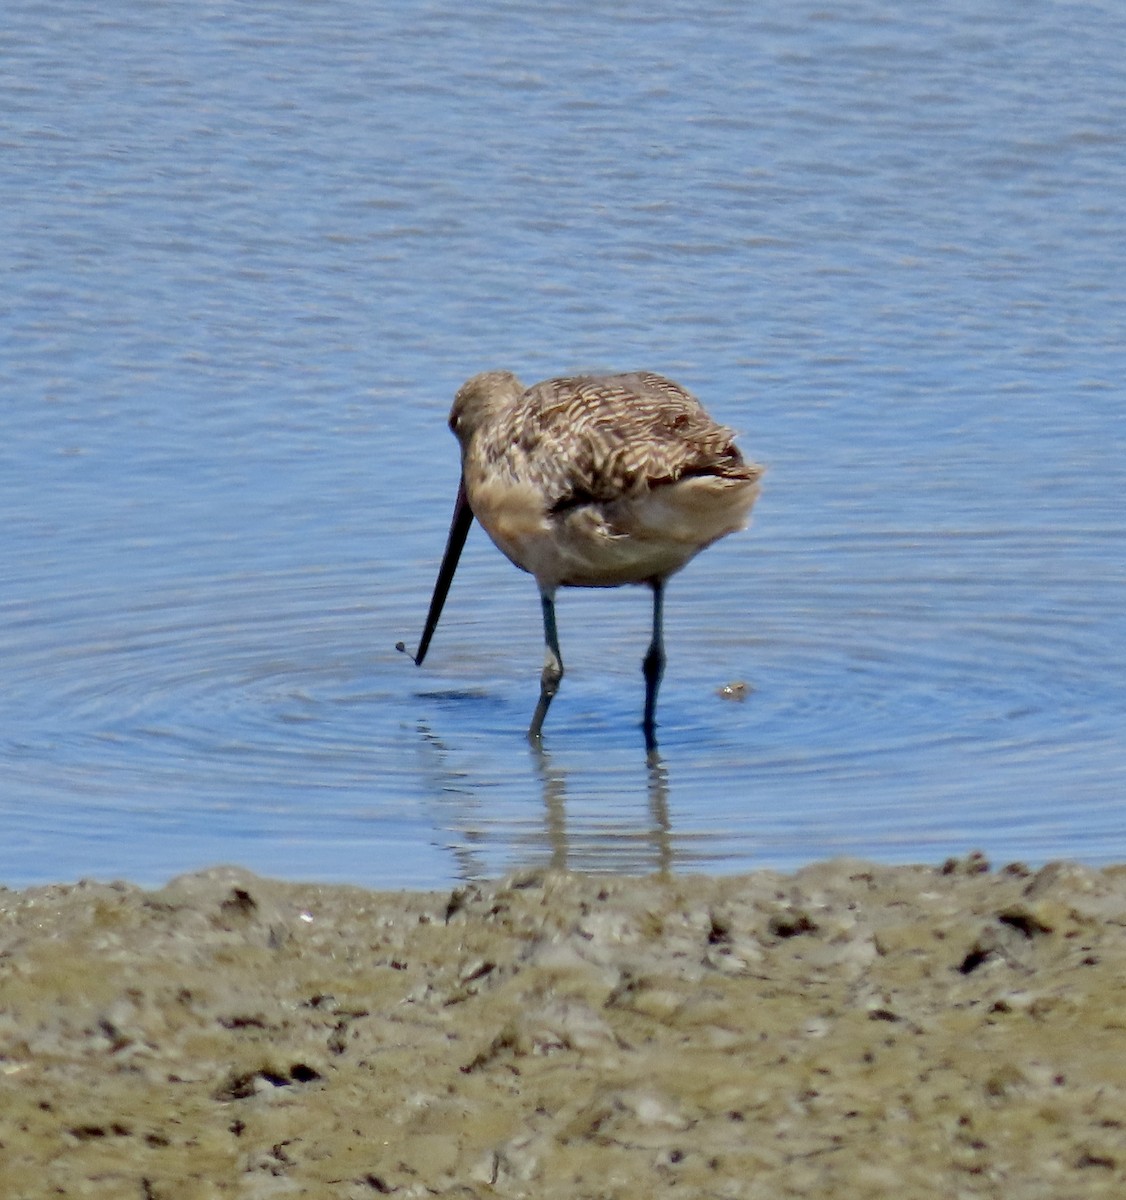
(248, 255)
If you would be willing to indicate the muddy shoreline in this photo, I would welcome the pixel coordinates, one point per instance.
(849, 1030)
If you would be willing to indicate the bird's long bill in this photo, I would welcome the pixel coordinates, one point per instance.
(459, 531)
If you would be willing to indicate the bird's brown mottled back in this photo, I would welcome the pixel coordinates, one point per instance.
(596, 438)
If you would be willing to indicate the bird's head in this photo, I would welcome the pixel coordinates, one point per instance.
(480, 400)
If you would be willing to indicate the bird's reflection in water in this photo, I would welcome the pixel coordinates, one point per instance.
(483, 845)
(564, 855)
(660, 831)
(459, 806)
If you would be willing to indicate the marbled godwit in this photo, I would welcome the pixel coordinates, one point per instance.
(593, 481)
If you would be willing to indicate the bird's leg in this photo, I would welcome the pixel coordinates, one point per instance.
(653, 665)
(552, 666)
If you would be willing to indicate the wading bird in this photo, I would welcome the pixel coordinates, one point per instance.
(592, 481)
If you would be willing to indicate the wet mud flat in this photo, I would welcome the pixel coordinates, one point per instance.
(846, 1031)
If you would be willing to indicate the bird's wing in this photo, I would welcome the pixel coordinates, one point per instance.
(600, 438)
